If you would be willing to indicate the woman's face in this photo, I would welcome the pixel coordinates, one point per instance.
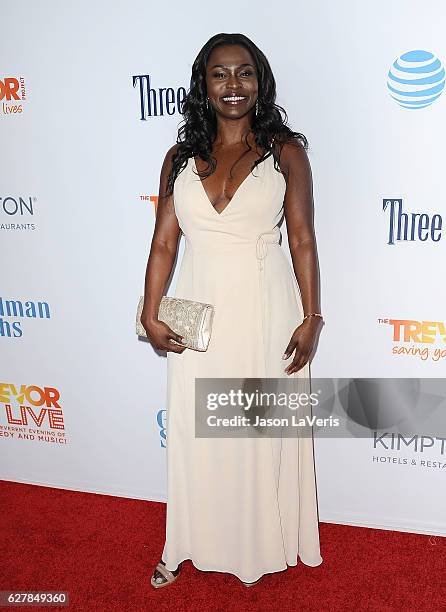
(231, 81)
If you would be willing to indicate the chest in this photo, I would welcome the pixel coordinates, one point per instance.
(222, 185)
(258, 200)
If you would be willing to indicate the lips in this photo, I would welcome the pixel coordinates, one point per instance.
(234, 100)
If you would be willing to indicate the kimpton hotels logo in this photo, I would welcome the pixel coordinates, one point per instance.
(16, 212)
(416, 79)
(412, 451)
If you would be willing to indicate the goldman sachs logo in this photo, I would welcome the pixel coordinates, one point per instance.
(410, 226)
(12, 313)
(157, 102)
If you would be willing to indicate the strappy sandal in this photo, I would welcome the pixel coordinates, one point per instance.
(166, 577)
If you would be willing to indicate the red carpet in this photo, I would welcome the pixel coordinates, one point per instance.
(102, 549)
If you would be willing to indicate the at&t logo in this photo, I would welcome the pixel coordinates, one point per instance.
(416, 79)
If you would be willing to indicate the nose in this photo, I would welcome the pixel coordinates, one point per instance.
(233, 82)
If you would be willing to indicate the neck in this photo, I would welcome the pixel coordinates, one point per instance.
(232, 132)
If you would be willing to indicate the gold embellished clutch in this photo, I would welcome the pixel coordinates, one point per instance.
(192, 320)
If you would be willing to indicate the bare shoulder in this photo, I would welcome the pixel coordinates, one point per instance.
(293, 158)
(168, 158)
(167, 162)
(164, 191)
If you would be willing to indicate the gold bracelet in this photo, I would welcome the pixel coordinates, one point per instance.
(313, 314)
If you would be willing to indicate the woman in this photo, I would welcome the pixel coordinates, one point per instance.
(243, 506)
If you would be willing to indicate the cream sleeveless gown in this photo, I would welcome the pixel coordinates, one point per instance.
(245, 506)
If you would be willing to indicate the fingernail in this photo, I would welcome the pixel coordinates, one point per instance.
(284, 356)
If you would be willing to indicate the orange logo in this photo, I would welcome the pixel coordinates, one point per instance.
(418, 331)
(28, 410)
(12, 90)
(416, 338)
(152, 199)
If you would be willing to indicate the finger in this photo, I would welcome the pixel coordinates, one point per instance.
(302, 363)
(289, 349)
(175, 348)
(176, 337)
(298, 358)
(297, 365)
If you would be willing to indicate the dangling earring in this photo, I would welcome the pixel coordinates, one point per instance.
(207, 103)
(257, 106)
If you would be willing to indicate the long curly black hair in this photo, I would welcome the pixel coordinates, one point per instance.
(198, 130)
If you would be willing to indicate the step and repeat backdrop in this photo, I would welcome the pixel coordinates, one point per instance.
(90, 96)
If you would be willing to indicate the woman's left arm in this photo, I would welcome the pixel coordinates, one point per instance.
(298, 207)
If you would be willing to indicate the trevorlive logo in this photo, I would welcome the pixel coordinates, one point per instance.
(418, 338)
(32, 405)
(418, 331)
(12, 91)
(405, 330)
(411, 227)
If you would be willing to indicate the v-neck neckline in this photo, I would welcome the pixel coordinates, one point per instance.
(219, 214)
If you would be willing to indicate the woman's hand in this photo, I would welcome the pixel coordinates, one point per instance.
(303, 340)
(160, 335)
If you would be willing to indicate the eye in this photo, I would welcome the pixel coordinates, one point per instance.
(218, 74)
(247, 72)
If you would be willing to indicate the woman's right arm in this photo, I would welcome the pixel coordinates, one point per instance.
(159, 265)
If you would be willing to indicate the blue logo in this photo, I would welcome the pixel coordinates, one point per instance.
(416, 79)
(157, 102)
(160, 419)
(15, 310)
(410, 226)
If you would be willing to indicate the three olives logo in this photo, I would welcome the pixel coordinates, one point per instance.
(157, 102)
(416, 79)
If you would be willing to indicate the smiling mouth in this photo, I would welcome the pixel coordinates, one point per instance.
(234, 99)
